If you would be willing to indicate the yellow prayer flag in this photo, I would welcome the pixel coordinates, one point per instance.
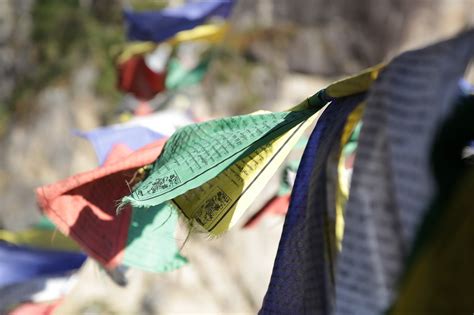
(47, 239)
(343, 183)
(209, 33)
(217, 205)
(358, 83)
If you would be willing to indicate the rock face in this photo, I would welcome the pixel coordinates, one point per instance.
(328, 38)
(42, 149)
(15, 27)
(337, 37)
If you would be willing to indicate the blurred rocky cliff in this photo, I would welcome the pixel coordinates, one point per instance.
(57, 75)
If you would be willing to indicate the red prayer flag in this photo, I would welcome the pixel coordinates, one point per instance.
(137, 78)
(84, 206)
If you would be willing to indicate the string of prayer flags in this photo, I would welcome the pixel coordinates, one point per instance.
(200, 168)
(303, 266)
(157, 26)
(197, 153)
(84, 208)
(210, 33)
(302, 276)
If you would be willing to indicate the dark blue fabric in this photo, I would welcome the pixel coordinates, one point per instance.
(158, 26)
(296, 284)
(21, 263)
(103, 139)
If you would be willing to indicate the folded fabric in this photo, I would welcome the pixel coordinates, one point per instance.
(197, 153)
(301, 279)
(103, 139)
(20, 263)
(302, 274)
(157, 26)
(438, 278)
(340, 168)
(84, 208)
(136, 77)
(392, 184)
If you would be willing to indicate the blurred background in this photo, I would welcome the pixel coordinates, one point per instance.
(58, 75)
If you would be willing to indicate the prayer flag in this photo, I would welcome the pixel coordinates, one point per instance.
(103, 139)
(157, 26)
(20, 263)
(197, 153)
(84, 208)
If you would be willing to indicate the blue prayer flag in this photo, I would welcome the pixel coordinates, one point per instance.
(103, 139)
(161, 25)
(21, 263)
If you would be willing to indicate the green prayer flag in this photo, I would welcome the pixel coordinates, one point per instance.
(179, 77)
(199, 152)
(151, 244)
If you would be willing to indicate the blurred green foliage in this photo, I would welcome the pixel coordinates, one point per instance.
(68, 33)
(65, 34)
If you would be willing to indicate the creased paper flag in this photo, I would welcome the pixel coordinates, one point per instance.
(197, 153)
(218, 204)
